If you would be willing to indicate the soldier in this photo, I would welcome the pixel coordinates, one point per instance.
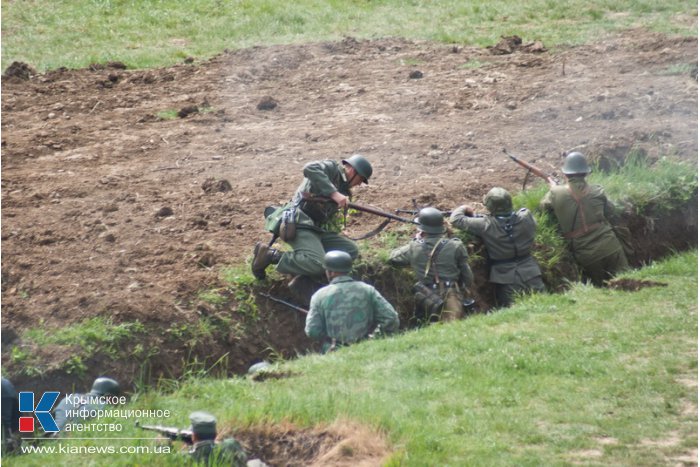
(346, 310)
(315, 229)
(206, 450)
(583, 213)
(76, 408)
(440, 264)
(11, 439)
(508, 237)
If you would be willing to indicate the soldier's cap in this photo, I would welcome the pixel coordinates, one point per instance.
(203, 424)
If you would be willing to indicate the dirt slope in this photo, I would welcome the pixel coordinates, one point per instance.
(109, 210)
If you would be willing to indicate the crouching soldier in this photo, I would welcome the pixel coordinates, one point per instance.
(508, 238)
(346, 310)
(78, 408)
(441, 268)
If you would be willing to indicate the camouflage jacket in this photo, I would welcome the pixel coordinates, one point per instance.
(451, 261)
(348, 310)
(584, 222)
(321, 178)
(228, 452)
(508, 240)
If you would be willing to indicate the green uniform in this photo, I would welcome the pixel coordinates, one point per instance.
(314, 231)
(583, 213)
(228, 452)
(346, 311)
(450, 264)
(508, 240)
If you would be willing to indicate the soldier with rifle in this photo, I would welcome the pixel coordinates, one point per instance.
(346, 310)
(202, 446)
(508, 237)
(585, 217)
(310, 226)
(441, 267)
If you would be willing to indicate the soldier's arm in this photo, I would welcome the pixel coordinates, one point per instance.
(315, 321)
(400, 256)
(384, 313)
(319, 174)
(546, 203)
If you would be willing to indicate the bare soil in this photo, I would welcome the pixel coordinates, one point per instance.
(112, 209)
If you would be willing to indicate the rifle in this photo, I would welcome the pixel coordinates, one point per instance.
(172, 433)
(416, 211)
(360, 207)
(531, 168)
(284, 302)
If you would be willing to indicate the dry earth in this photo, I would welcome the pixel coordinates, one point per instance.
(109, 210)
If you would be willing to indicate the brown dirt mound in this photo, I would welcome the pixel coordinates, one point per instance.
(633, 285)
(342, 444)
(107, 212)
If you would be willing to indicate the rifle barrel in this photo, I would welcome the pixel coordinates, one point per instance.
(284, 302)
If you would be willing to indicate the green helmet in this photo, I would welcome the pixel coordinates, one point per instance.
(498, 201)
(337, 261)
(103, 386)
(203, 424)
(361, 166)
(430, 221)
(575, 163)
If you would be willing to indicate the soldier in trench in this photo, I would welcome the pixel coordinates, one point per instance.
(585, 215)
(314, 223)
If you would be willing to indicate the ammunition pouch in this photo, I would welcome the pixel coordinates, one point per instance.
(273, 219)
(428, 300)
(288, 228)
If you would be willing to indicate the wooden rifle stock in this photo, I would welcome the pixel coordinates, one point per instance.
(531, 168)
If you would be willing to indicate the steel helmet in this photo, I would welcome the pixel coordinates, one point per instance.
(498, 201)
(103, 386)
(575, 163)
(361, 166)
(430, 221)
(337, 261)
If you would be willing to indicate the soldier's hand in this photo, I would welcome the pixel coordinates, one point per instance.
(468, 210)
(340, 199)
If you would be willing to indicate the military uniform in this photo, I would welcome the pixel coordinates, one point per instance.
(346, 311)
(227, 452)
(450, 264)
(10, 418)
(76, 408)
(207, 451)
(583, 212)
(314, 221)
(508, 239)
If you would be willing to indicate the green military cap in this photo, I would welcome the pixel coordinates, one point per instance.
(203, 424)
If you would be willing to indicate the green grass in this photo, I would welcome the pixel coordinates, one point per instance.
(79, 341)
(142, 34)
(592, 376)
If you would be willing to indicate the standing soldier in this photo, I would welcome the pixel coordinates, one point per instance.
(310, 226)
(508, 237)
(440, 264)
(583, 213)
(346, 310)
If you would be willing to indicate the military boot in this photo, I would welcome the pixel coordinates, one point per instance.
(263, 256)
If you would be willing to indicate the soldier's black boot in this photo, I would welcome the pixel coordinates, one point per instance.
(263, 256)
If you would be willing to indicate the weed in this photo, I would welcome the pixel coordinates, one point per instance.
(472, 64)
(170, 114)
